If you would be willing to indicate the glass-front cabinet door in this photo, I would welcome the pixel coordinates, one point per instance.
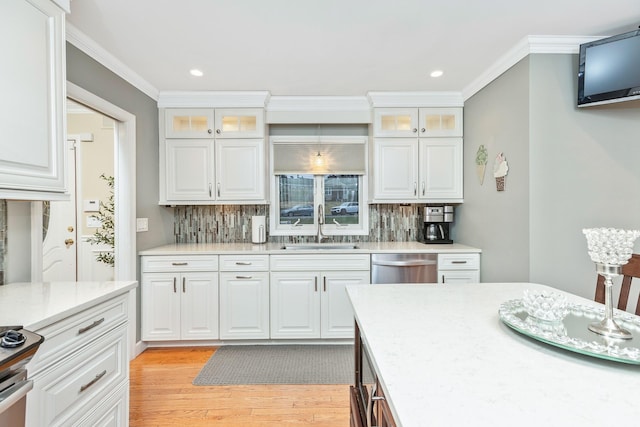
(440, 121)
(239, 123)
(188, 123)
(395, 122)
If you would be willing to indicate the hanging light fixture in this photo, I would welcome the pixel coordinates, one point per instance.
(319, 160)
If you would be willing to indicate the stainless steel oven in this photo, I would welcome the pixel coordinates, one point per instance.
(17, 347)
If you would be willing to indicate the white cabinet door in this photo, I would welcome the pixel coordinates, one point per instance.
(441, 168)
(239, 122)
(395, 122)
(160, 307)
(199, 306)
(33, 88)
(396, 168)
(295, 305)
(244, 305)
(188, 123)
(337, 318)
(240, 170)
(189, 169)
(441, 122)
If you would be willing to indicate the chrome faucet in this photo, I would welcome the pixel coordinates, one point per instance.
(320, 236)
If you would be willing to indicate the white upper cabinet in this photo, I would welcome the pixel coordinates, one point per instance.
(212, 156)
(239, 123)
(396, 169)
(417, 122)
(440, 168)
(32, 83)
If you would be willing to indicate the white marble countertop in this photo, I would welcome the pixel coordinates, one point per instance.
(445, 359)
(35, 305)
(276, 248)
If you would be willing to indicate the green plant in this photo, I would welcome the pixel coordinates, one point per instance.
(106, 233)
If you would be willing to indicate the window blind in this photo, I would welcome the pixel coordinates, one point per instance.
(320, 158)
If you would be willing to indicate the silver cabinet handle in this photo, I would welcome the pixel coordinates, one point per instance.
(423, 187)
(93, 381)
(184, 285)
(423, 130)
(316, 284)
(218, 131)
(91, 326)
(415, 188)
(242, 263)
(415, 130)
(458, 262)
(209, 189)
(443, 278)
(244, 277)
(179, 263)
(174, 285)
(324, 283)
(218, 189)
(209, 131)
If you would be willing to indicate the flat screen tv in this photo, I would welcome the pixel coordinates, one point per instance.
(609, 70)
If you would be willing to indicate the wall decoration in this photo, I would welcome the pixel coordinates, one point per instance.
(500, 169)
(481, 162)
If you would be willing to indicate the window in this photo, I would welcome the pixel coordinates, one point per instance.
(301, 199)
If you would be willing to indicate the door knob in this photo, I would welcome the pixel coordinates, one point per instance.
(68, 242)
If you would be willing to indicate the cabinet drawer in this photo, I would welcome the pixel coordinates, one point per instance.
(114, 411)
(244, 262)
(179, 263)
(72, 333)
(458, 261)
(320, 262)
(82, 380)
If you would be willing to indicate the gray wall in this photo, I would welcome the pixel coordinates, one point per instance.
(93, 77)
(570, 169)
(498, 222)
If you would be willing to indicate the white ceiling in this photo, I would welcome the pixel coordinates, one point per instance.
(331, 47)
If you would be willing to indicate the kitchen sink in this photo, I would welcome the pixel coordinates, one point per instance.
(324, 246)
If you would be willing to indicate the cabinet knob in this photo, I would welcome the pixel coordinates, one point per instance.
(218, 131)
(423, 130)
(209, 131)
(415, 130)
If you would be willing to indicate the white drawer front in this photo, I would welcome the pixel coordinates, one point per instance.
(75, 331)
(458, 261)
(320, 262)
(244, 262)
(80, 381)
(113, 412)
(179, 263)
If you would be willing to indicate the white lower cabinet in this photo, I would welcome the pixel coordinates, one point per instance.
(81, 377)
(459, 268)
(308, 297)
(179, 298)
(244, 297)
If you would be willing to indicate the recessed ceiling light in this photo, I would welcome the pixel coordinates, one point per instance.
(436, 73)
(196, 72)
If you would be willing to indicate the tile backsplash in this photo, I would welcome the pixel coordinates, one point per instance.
(227, 224)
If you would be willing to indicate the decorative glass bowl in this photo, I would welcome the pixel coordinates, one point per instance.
(547, 306)
(610, 245)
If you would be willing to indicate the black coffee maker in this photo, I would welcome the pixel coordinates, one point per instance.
(437, 220)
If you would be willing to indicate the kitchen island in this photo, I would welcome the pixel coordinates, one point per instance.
(444, 358)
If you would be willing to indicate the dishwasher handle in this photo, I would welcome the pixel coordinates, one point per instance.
(405, 263)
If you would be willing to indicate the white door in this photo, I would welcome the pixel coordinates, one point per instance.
(189, 169)
(337, 315)
(240, 169)
(295, 304)
(59, 251)
(396, 166)
(441, 168)
(198, 306)
(244, 305)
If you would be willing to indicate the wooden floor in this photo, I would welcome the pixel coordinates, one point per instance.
(162, 395)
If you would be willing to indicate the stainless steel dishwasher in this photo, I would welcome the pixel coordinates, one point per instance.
(404, 268)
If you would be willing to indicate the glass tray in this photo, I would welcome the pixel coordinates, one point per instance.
(572, 334)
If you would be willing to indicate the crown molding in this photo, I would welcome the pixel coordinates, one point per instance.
(213, 99)
(98, 53)
(526, 46)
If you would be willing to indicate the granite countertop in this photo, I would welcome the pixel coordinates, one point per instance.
(445, 358)
(35, 305)
(276, 248)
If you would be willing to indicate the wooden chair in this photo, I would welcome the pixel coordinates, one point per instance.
(629, 271)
